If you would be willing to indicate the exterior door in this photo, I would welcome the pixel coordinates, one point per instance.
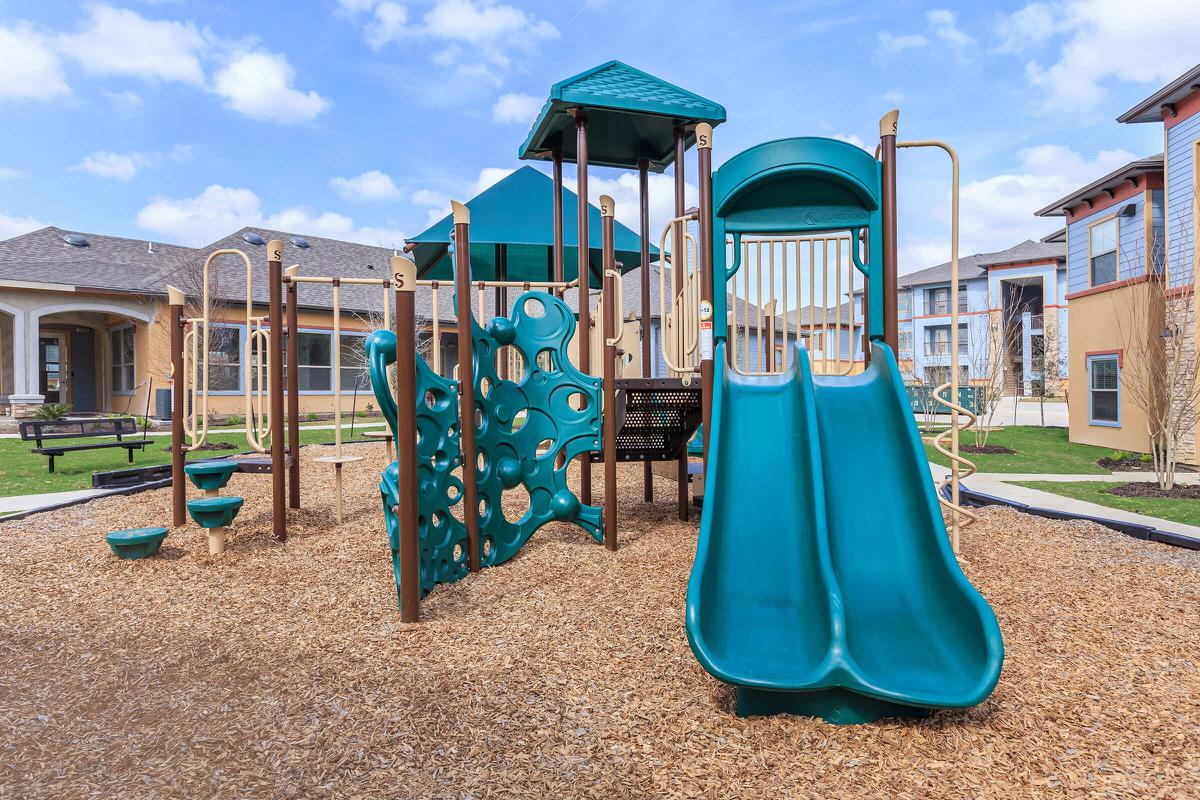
(53, 367)
(83, 369)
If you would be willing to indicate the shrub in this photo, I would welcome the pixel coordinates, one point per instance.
(235, 420)
(52, 411)
(311, 417)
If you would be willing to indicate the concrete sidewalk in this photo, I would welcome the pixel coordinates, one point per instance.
(32, 502)
(998, 484)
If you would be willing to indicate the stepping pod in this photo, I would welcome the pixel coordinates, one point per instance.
(133, 544)
(215, 514)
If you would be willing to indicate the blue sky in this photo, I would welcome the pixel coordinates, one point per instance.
(359, 119)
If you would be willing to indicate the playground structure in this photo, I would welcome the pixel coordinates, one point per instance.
(828, 624)
(820, 626)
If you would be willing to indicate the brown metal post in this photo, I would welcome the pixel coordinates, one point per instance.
(644, 202)
(609, 417)
(275, 390)
(178, 409)
(404, 275)
(293, 389)
(887, 155)
(678, 258)
(704, 143)
(466, 380)
(585, 311)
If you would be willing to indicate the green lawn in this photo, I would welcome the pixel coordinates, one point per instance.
(1042, 450)
(24, 472)
(1185, 511)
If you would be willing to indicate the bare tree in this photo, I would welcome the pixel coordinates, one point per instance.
(1157, 330)
(988, 357)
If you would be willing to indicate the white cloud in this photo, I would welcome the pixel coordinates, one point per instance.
(181, 153)
(388, 24)
(126, 101)
(117, 41)
(15, 226)
(490, 176)
(1027, 28)
(623, 189)
(945, 27)
(515, 107)
(9, 172)
(259, 85)
(107, 164)
(29, 67)
(997, 212)
(473, 33)
(891, 44)
(220, 210)
(370, 185)
(1107, 41)
(857, 141)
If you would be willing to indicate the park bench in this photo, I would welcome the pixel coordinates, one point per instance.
(44, 432)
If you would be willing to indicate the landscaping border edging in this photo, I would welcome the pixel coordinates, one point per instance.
(976, 499)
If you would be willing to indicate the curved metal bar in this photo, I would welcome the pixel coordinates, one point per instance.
(957, 511)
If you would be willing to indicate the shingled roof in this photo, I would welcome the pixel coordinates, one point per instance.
(976, 266)
(104, 262)
(632, 115)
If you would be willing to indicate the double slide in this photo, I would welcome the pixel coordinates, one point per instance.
(824, 583)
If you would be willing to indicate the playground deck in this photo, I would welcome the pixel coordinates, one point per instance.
(284, 671)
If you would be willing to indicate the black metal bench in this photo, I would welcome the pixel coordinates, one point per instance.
(44, 432)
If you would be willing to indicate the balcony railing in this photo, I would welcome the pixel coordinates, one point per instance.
(943, 348)
(1036, 322)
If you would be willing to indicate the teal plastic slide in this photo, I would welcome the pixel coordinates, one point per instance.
(824, 583)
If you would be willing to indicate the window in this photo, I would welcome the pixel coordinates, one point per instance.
(1102, 251)
(1104, 390)
(904, 305)
(224, 359)
(355, 374)
(315, 361)
(937, 301)
(937, 340)
(906, 342)
(121, 349)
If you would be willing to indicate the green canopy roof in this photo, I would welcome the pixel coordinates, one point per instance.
(631, 115)
(518, 212)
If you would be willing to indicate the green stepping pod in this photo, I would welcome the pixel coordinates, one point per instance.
(136, 543)
(214, 512)
(442, 538)
(522, 425)
(824, 583)
(211, 475)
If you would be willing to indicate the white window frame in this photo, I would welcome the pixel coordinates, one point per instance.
(1116, 251)
(118, 367)
(1092, 359)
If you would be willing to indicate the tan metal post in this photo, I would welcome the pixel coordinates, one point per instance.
(585, 282)
(704, 134)
(679, 267)
(293, 388)
(178, 405)
(404, 276)
(275, 390)
(466, 380)
(612, 280)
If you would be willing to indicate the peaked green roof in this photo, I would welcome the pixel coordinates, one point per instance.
(518, 212)
(631, 115)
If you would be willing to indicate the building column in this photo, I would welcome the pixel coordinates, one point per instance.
(25, 396)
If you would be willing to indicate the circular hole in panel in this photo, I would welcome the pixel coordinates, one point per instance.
(534, 308)
(459, 552)
(485, 386)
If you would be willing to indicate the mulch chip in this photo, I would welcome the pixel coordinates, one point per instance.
(283, 670)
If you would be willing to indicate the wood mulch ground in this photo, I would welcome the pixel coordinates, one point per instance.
(283, 670)
(1128, 464)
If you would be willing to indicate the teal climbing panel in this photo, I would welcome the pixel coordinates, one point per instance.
(442, 536)
(524, 421)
